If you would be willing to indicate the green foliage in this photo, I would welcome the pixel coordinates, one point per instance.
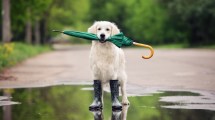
(149, 21)
(143, 21)
(68, 15)
(146, 21)
(12, 53)
(6, 51)
(160, 21)
(195, 19)
(23, 11)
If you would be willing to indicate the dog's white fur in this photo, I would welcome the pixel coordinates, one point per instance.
(107, 61)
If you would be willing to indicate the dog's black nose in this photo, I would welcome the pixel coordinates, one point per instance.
(102, 36)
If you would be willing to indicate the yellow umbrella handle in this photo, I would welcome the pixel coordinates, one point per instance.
(146, 46)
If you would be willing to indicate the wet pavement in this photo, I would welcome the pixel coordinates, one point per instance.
(175, 68)
(71, 102)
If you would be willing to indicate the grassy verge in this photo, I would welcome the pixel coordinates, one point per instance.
(171, 46)
(13, 53)
(207, 47)
(180, 46)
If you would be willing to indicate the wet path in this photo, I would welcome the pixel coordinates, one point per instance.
(176, 68)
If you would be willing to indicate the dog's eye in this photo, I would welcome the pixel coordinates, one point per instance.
(99, 28)
(107, 29)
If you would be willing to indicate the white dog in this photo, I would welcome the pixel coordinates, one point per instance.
(107, 61)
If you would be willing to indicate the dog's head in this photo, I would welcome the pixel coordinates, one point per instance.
(103, 30)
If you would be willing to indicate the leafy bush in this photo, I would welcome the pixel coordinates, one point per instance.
(5, 52)
(12, 53)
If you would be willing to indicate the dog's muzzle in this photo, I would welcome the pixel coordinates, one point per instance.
(102, 38)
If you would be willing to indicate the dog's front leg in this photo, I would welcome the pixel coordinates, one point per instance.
(97, 103)
(114, 87)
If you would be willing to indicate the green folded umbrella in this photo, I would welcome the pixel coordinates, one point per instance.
(119, 40)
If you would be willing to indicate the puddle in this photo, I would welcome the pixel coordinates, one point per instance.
(70, 102)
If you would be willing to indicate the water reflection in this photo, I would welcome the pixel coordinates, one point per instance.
(72, 103)
(98, 114)
(116, 115)
(7, 109)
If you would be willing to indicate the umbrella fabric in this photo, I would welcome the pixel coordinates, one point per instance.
(119, 40)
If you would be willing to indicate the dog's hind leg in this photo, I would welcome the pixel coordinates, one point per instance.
(124, 94)
(102, 94)
(123, 79)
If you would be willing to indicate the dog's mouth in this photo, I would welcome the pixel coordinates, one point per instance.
(102, 38)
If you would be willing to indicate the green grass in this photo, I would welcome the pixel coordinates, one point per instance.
(13, 53)
(181, 46)
(207, 46)
(171, 46)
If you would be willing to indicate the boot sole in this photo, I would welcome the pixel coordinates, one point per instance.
(116, 107)
(95, 108)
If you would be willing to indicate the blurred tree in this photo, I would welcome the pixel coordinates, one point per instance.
(6, 25)
(138, 19)
(69, 15)
(60, 15)
(160, 21)
(150, 21)
(194, 18)
(146, 21)
(33, 20)
(40, 10)
(111, 10)
(25, 16)
(1, 21)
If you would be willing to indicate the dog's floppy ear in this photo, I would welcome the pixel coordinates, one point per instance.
(92, 29)
(115, 30)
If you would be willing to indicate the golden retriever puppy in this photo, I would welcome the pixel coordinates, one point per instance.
(107, 63)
